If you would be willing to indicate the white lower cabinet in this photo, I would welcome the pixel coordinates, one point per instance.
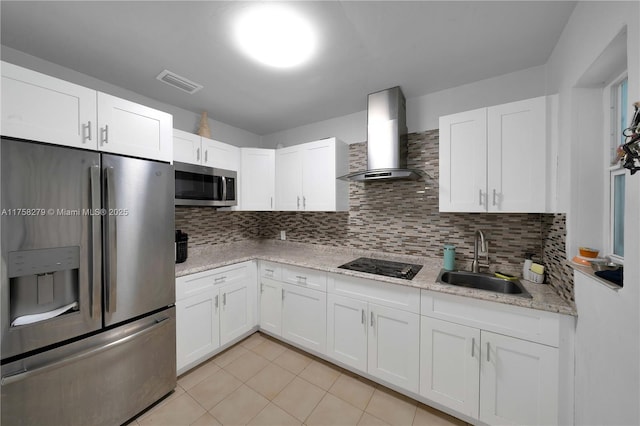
(347, 330)
(197, 327)
(379, 340)
(490, 376)
(394, 346)
(213, 308)
(271, 296)
(518, 381)
(293, 305)
(304, 317)
(450, 364)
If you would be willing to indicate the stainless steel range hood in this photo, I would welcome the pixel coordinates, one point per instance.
(387, 139)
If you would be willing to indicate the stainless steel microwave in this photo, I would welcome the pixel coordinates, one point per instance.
(205, 186)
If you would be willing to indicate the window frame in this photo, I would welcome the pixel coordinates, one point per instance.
(613, 135)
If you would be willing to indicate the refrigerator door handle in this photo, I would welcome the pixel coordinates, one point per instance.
(96, 246)
(25, 374)
(112, 246)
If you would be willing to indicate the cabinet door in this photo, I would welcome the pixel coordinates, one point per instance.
(394, 346)
(220, 155)
(304, 317)
(132, 129)
(463, 162)
(257, 178)
(319, 176)
(289, 179)
(517, 156)
(518, 381)
(186, 147)
(271, 296)
(347, 331)
(45, 109)
(236, 311)
(197, 328)
(450, 365)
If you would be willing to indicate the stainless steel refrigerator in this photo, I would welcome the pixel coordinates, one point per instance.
(87, 285)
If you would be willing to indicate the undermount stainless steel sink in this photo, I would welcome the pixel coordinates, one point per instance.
(483, 282)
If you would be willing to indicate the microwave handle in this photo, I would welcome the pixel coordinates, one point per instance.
(224, 188)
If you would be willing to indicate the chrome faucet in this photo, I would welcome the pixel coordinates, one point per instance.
(476, 265)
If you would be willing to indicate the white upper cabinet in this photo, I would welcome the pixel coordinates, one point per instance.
(306, 176)
(129, 128)
(194, 149)
(45, 109)
(186, 147)
(494, 159)
(220, 155)
(257, 179)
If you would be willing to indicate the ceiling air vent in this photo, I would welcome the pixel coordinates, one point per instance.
(179, 82)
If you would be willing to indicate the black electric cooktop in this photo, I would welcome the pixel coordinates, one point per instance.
(383, 267)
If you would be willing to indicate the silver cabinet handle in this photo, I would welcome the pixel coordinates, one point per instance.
(298, 203)
(206, 155)
(494, 196)
(88, 127)
(66, 360)
(488, 349)
(218, 280)
(198, 154)
(261, 288)
(363, 317)
(283, 294)
(480, 196)
(372, 320)
(105, 134)
(271, 205)
(96, 241)
(304, 202)
(473, 344)
(301, 279)
(216, 303)
(224, 299)
(112, 243)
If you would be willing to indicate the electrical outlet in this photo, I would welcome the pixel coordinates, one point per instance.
(283, 235)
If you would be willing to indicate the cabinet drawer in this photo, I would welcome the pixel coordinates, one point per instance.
(385, 294)
(309, 278)
(270, 270)
(524, 323)
(195, 283)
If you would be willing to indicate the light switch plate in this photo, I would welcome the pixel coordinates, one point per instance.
(283, 235)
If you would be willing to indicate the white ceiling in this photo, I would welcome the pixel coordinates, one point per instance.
(423, 46)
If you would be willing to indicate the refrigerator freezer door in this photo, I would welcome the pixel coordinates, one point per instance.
(103, 380)
(50, 243)
(139, 275)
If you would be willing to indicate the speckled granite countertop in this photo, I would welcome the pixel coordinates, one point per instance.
(326, 258)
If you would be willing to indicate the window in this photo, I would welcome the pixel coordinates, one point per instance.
(619, 120)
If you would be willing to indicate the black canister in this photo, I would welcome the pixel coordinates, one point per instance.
(182, 240)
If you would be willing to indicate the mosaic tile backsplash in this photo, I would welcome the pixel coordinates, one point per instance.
(400, 217)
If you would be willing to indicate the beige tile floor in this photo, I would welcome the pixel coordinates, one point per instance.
(261, 381)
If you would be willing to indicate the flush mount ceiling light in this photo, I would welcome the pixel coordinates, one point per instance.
(275, 35)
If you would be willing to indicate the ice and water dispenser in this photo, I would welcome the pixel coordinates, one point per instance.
(43, 284)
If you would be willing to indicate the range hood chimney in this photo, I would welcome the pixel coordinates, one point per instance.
(387, 139)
